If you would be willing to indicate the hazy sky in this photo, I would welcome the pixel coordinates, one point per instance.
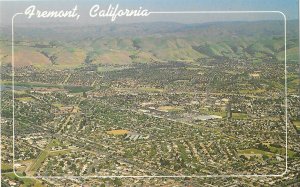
(288, 7)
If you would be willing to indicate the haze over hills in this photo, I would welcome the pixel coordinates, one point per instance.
(67, 46)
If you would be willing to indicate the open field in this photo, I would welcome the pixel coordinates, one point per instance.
(281, 151)
(6, 167)
(117, 132)
(236, 115)
(255, 152)
(24, 99)
(24, 182)
(41, 157)
(297, 124)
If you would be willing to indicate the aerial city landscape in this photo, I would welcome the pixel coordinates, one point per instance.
(161, 100)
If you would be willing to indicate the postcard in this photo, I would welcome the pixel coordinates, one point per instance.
(150, 93)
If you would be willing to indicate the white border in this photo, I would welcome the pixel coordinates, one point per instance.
(171, 176)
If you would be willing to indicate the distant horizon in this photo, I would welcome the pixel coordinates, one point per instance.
(68, 24)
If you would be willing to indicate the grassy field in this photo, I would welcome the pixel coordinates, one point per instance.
(206, 111)
(297, 124)
(24, 182)
(273, 151)
(281, 151)
(255, 152)
(38, 162)
(24, 99)
(6, 167)
(42, 157)
(71, 89)
(236, 115)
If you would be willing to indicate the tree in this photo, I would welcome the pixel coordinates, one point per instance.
(265, 157)
(243, 157)
(118, 182)
(84, 95)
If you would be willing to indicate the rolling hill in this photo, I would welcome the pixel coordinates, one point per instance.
(67, 47)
